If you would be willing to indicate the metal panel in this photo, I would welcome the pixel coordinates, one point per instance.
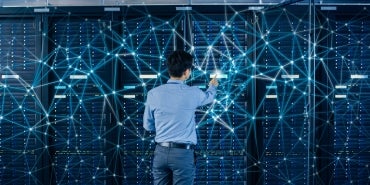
(145, 2)
(224, 2)
(23, 3)
(76, 3)
(47, 3)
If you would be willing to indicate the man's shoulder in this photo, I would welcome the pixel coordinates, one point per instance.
(155, 89)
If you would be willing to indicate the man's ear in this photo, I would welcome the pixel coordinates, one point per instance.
(185, 72)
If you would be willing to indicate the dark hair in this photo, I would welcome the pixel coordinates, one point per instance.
(178, 62)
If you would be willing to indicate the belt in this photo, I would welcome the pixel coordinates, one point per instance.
(177, 145)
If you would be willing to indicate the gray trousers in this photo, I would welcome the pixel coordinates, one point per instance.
(173, 166)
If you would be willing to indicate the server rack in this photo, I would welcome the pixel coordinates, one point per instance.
(20, 95)
(220, 48)
(282, 74)
(78, 100)
(350, 103)
(147, 40)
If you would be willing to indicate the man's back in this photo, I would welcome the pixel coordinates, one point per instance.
(173, 106)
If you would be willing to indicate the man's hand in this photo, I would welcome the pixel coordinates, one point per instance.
(214, 81)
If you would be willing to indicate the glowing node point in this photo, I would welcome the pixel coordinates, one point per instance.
(60, 80)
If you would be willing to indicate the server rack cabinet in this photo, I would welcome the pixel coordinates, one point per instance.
(79, 87)
(282, 95)
(20, 120)
(147, 37)
(347, 60)
(219, 43)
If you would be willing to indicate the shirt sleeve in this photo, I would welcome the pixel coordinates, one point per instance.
(148, 118)
(208, 96)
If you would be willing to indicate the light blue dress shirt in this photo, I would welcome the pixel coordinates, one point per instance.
(170, 111)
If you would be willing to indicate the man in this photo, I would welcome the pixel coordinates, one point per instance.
(170, 111)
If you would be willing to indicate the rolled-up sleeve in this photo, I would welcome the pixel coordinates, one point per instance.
(148, 118)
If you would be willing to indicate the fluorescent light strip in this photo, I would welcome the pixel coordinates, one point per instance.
(10, 76)
(148, 76)
(256, 8)
(341, 87)
(130, 96)
(340, 96)
(129, 87)
(60, 87)
(60, 96)
(78, 77)
(271, 96)
(271, 87)
(218, 75)
(359, 76)
(290, 76)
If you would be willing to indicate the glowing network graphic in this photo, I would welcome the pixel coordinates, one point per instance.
(292, 104)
